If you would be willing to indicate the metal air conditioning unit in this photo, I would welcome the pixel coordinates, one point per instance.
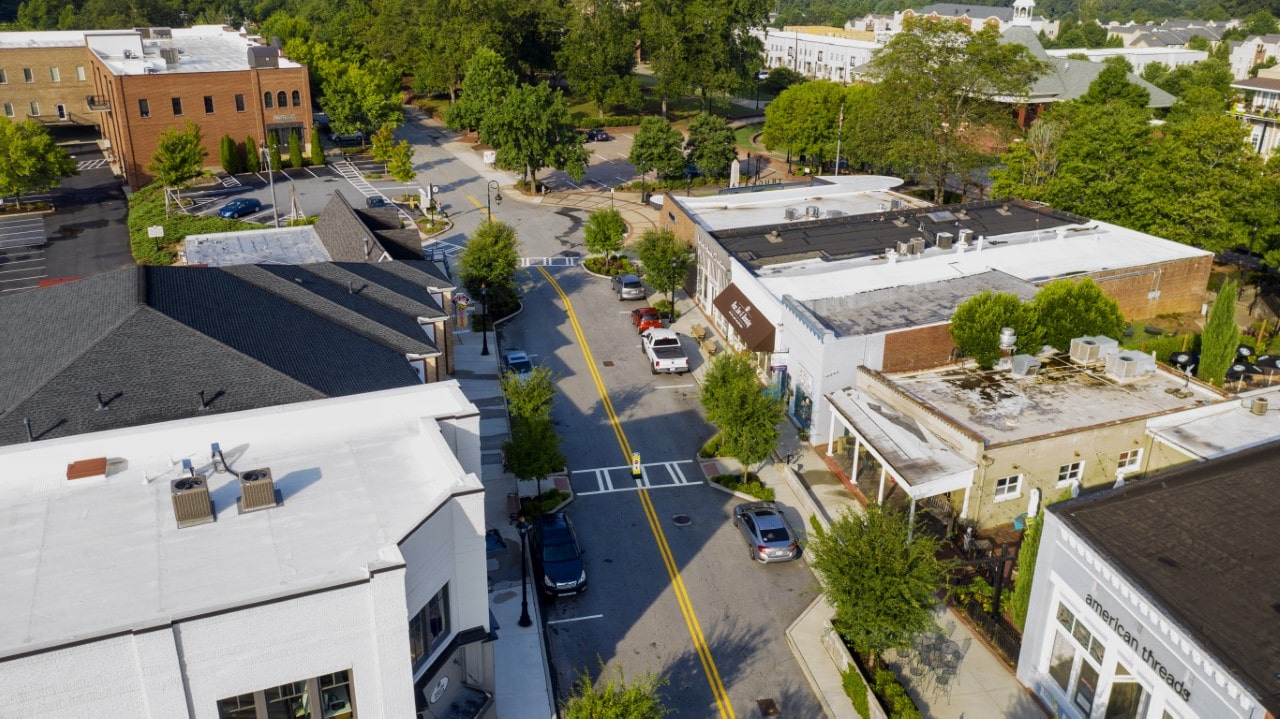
(1024, 366)
(170, 55)
(835, 213)
(813, 211)
(793, 213)
(904, 248)
(916, 246)
(257, 490)
(943, 240)
(1085, 350)
(965, 236)
(191, 503)
(162, 33)
(1130, 365)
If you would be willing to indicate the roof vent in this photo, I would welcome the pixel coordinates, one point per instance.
(895, 204)
(965, 235)
(1130, 365)
(170, 55)
(812, 211)
(257, 490)
(944, 240)
(792, 213)
(835, 213)
(1024, 366)
(1085, 350)
(1259, 406)
(773, 237)
(916, 246)
(191, 504)
(128, 54)
(162, 33)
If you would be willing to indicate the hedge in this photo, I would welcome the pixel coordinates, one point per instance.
(752, 487)
(856, 688)
(896, 700)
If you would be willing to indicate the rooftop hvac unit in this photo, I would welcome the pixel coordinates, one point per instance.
(1024, 366)
(257, 490)
(162, 33)
(943, 239)
(128, 54)
(916, 246)
(965, 236)
(895, 204)
(170, 55)
(904, 248)
(793, 213)
(812, 211)
(835, 213)
(1130, 365)
(1092, 349)
(191, 505)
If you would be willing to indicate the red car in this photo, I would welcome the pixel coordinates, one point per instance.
(646, 318)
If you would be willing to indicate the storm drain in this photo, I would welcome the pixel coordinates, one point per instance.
(768, 707)
(681, 520)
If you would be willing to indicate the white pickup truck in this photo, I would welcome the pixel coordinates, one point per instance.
(662, 347)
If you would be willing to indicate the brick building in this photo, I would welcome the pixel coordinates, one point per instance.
(822, 279)
(147, 81)
(44, 76)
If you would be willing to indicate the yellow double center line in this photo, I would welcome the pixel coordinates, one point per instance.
(673, 571)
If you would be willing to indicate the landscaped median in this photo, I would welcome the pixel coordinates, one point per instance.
(146, 210)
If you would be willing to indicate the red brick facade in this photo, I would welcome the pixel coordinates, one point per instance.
(1160, 289)
(918, 348)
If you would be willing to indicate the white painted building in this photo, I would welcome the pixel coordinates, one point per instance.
(1158, 600)
(1260, 112)
(1138, 57)
(820, 53)
(1253, 50)
(355, 587)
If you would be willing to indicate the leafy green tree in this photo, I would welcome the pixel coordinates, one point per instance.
(730, 377)
(863, 560)
(598, 56)
(229, 155)
(804, 119)
(486, 82)
(605, 232)
(359, 96)
(1065, 309)
(316, 147)
(701, 44)
(531, 397)
(779, 79)
(178, 159)
(295, 149)
(1221, 337)
(656, 148)
(659, 250)
(532, 129)
(1102, 153)
(1029, 165)
(711, 145)
(1260, 22)
(940, 81)
(451, 35)
(42, 14)
(383, 142)
(1112, 84)
(400, 163)
(976, 324)
(252, 155)
(490, 257)
(1196, 102)
(616, 699)
(533, 451)
(33, 161)
(746, 415)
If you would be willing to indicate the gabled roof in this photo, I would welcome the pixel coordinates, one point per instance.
(1068, 79)
(351, 235)
(148, 340)
(976, 12)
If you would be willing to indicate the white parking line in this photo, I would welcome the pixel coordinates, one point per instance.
(575, 619)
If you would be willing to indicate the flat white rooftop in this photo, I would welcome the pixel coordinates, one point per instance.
(1221, 429)
(90, 557)
(41, 38)
(1063, 396)
(203, 48)
(1034, 256)
(267, 246)
(846, 194)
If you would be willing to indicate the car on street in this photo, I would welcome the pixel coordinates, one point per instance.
(240, 207)
(646, 318)
(769, 535)
(596, 134)
(628, 287)
(557, 556)
(375, 202)
(517, 361)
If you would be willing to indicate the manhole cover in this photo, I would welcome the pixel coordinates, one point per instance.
(682, 520)
(768, 707)
(608, 363)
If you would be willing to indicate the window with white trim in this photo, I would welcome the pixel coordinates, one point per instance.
(1070, 473)
(1075, 672)
(55, 74)
(27, 75)
(1130, 459)
(80, 73)
(35, 108)
(4, 78)
(8, 109)
(1008, 487)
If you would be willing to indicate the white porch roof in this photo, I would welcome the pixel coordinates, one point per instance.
(922, 464)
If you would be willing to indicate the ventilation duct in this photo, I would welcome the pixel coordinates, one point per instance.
(1130, 365)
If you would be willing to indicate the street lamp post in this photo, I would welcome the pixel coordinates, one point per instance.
(484, 321)
(522, 526)
(674, 262)
(490, 194)
(271, 178)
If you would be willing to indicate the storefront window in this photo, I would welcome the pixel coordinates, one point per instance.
(1060, 662)
(288, 701)
(429, 627)
(295, 700)
(241, 707)
(1086, 687)
(1127, 699)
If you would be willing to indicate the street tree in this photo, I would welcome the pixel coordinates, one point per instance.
(1030, 164)
(529, 397)
(604, 232)
(490, 257)
(616, 698)
(400, 162)
(866, 559)
(533, 129)
(33, 162)
(598, 54)
(1112, 84)
(295, 149)
(746, 415)
(779, 79)
(730, 376)
(656, 148)
(358, 97)
(711, 145)
(533, 452)
(941, 82)
(976, 324)
(486, 82)
(1220, 338)
(701, 44)
(178, 159)
(1101, 153)
(1065, 309)
(666, 259)
(805, 119)
(382, 143)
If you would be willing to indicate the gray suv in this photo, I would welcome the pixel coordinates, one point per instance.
(628, 287)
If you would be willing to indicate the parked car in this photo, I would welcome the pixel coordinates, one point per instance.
(646, 318)
(663, 349)
(517, 361)
(375, 202)
(628, 287)
(596, 134)
(240, 207)
(557, 556)
(768, 533)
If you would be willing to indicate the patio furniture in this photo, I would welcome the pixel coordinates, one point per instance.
(698, 332)
(710, 346)
(942, 683)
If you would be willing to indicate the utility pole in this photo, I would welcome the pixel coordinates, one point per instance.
(839, 137)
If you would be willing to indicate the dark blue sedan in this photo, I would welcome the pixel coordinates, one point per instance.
(240, 207)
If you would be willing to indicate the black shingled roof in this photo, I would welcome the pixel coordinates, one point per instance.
(836, 238)
(343, 230)
(149, 339)
(1204, 543)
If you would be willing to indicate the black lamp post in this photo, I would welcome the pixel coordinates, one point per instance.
(490, 195)
(674, 262)
(522, 526)
(484, 321)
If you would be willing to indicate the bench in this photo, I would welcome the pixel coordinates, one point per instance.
(698, 332)
(710, 346)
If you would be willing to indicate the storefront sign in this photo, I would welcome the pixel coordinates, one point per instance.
(756, 331)
(284, 118)
(1129, 630)
(778, 360)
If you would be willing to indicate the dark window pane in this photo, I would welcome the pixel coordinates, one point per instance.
(177, 105)
(281, 99)
(1086, 686)
(144, 108)
(297, 98)
(266, 100)
(240, 707)
(1126, 701)
(239, 103)
(208, 104)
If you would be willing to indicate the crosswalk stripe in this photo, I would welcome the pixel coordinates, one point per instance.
(673, 476)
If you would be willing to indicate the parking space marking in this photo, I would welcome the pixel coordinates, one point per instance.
(575, 619)
(90, 164)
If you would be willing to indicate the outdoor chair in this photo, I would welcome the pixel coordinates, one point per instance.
(698, 332)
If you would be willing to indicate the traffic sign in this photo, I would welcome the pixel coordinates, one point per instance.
(635, 465)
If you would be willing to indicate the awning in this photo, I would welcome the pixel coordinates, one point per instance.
(749, 322)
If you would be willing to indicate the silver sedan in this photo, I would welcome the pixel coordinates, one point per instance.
(769, 535)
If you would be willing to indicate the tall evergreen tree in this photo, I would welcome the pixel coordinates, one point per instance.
(1221, 337)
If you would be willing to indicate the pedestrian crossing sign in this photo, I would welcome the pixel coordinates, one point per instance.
(635, 464)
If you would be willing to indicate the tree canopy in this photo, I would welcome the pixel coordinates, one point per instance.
(658, 250)
(657, 146)
(711, 145)
(616, 698)
(33, 161)
(179, 157)
(598, 54)
(976, 324)
(490, 257)
(532, 129)
(739, 407)
(604, 232)
(487, 81)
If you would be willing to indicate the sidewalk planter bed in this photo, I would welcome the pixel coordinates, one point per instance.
(753, 487)
(711, 448)
(617, 265)
(548, 501)
(854, 685)
(895, 698)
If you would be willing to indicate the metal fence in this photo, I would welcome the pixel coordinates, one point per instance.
(1006, 641)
